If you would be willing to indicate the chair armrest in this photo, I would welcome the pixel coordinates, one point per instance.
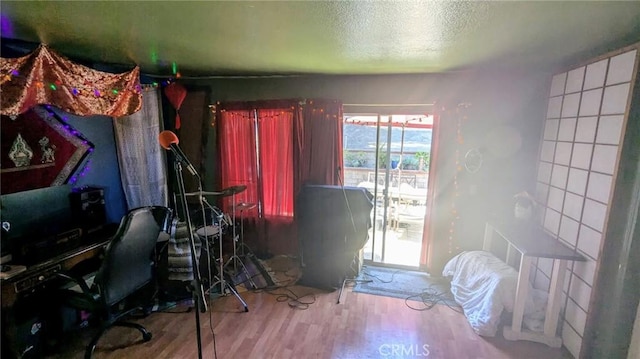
(79, 281)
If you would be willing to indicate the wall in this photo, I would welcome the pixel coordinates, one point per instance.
(578, 164)
(503, 104)
(30, 209)
(104, 170)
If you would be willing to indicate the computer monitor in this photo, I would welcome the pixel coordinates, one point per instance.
(34, 216)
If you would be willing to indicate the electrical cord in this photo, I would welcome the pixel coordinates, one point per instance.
(284, 293)
(294, 300)
(380, 279)
(429, 296)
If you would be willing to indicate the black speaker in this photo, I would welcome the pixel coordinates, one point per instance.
(88, 207)
(333, 225)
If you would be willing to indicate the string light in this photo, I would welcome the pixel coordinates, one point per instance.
(73, 132)
(461, 116)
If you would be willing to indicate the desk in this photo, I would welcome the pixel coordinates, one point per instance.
(26, 291)
(24, 280)
(35, 277)
(531, 241)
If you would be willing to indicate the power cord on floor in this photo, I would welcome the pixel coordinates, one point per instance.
(293, 300)
(430, 297)
(364, 272)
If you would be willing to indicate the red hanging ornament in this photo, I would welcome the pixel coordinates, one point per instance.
(176, 94)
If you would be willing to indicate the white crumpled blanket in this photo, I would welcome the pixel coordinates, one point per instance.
(484, 286)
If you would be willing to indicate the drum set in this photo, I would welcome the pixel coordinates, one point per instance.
(211, 225)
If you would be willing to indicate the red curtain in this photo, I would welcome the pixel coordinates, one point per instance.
(275, 133)
(298, 142)
(428, 232)
(238, 155)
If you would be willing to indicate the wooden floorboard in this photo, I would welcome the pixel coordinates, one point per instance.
(361, 326)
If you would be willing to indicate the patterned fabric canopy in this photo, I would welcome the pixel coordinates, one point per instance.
(44, 77)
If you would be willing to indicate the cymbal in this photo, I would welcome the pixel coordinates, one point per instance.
(205, 194)
(245, 206)
(234, 190)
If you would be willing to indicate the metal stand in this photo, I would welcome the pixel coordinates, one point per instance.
(243, 207)
(196, 285)
(235, 259)
(220, 279)
(344, 282)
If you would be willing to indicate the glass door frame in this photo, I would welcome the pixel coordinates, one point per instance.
(384, 193)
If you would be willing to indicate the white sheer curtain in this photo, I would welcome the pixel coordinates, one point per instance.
(142, 164)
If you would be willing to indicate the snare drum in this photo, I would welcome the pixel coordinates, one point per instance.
(207, 231)
(211, 224)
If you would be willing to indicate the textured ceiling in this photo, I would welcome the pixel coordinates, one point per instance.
(347, 37)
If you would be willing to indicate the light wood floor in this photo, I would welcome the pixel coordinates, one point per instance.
(362, 326)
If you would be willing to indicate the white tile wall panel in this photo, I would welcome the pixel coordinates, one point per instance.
(559, 176)
(577, 182)
(567, 129)
(590, 102)
(551, 129)
(594, 214)
(585, 270)
(621, 68)
(581, 156)
(544, 172)
(604, 158)
(569, 230)
(615, 98)
(580, 292)
(573, 205)
(552, 221)
(576, 316)
(589, 241)
(563, 153)
(595, 75)
(610, 129)
(548, 151)
(574, 80)
(557, 84)
(566, 243)
(570, 105)
(571, 340)
(542, 190)
(599, 187)
(554, 107)
(586, 129)
(590, 105)
(556, 198)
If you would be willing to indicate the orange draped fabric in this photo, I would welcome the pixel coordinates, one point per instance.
(44, 77)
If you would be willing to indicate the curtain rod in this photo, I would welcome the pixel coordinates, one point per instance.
(388, 105)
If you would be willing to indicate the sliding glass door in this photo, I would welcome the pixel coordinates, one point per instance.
(389, 156)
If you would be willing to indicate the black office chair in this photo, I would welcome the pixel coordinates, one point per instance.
(127, 269)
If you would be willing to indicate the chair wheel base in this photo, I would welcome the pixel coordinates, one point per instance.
(147, 336)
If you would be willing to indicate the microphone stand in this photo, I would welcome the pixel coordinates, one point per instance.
(196, 285)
